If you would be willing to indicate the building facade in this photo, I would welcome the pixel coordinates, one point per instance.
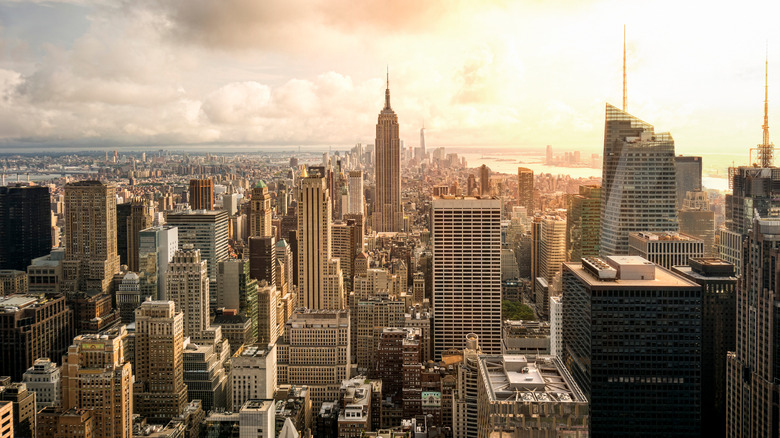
(25, 225)
(388, 212)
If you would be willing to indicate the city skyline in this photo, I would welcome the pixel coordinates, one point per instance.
(490, 83)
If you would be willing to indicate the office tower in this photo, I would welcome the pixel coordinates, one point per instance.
(43, 378)
(236, 328)
(688, 176)
(751, 377)
(24, 408)
(32, 327)
(128, 296)
(188, 288)
(73, 423)
(6, 419)
(157, 245)
(617, 317)
(556, 326)
(583, 223)
(91, 258)
(204, 371)
(388, 212)
(718, 335)
(421, 152)
(638, 181)
(698, 220)
(257, 418)
(92, 313)
(262, 259)
(525, 189)
(253, 373)
(551, 255)
(25, 225)
(159, 390)
(665, 249)
(370, 317)
(140, 219)
(201, 194)
(466, 235)
(327, 333)
(95, 375)
(267, 313)
(260, 211)
(346, 243)
(319, 274)
(122, 215)
(464, 424)
(472, 189)
(13, 282)
(356, 199)
(484, 180)
(230, 203)
(237, 290)
(513, 390)
(206, 231)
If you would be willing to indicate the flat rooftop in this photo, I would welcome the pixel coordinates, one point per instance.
(662, 236)
(513, 378)
(13, 303)
(662, 277)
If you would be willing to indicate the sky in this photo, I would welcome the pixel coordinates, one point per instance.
(481, 75)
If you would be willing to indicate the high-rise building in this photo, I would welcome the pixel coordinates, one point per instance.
(688, 175)
(32, 327)
(465, 400)
(201, 194)
(356, 198)
(236, 328)
(752, 380)
(512, 389)
(267, 313)
(206, 231)
(128, 296)
(617, 318)
(188, 288)
(44, 379)
(698, 220)
(253, 373)
(260, 211)
(388, 212)
(257, 418)
(237, 290)
(73, 423)
(159, 391)
(718, 335)
(157, 245)
(122, 215)
(369, 317)
(320, 282)
(140, 219)
(466, 235)
(6, 419)
(484, 180)
(95, 375)
(315, 351)
(551, 255)
(556, 326)
(638, 181)
(25, 225)
(91, 258)
(346, 243)
(13, 282)
(24, 408)
(665, 249)
(583, 223)
(262, 259)
(525, 189)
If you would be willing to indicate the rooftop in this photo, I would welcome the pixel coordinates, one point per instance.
(512, 378)
(626, 269)
(662, 235)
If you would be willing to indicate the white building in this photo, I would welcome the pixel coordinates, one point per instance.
(253, 373)
(43, 378)
(556, 326)
(356, 200)
(156, 248)
(188, 287)
(257, 419)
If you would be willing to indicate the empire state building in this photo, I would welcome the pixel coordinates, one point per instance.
(388, 214)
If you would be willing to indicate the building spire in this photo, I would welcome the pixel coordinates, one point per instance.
(624, 68)
(766, 148)
(387, 90)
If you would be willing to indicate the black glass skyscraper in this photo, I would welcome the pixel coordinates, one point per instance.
(25, 225)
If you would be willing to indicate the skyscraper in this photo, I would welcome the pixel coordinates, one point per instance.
(25, 225)
(525, 189)
(188, 287)
(319, 274)
(618, 316)
(356, 198)
(388, 213)
(159, 391)
(688, 175)
(206, 231)
(751, 371)
(466, 235)
(583, 223)
(484, 180)
(638, 181)
(260, 211)
(140, 219)
(157, 245)
(91, 257)
(201, 194)
(551, 255)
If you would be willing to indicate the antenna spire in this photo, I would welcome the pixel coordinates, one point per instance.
(766, 148)
(387, 90)
(624, 68)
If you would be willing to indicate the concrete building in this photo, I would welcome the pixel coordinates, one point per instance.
(201, 194)
(188, 288)
(13, 282)
(91, 257)
(159, 390)
(128, 296)
(236, 328)
(525, 189)
(72, 423)
(253, 373)
(620, 354)
(267, 313)
(44, 275)
(32, 327)
(371, 316)
(356, 198)
(236, 289)
(257, 419)
(698, 220)
(262, 259)
(25, 409)
(421, 320)
(140, 219)
(556, 326)
(688, 171)
(465, 398)
(529, 398)
(315, 351)
(293, 404)
(6, 419)
(157, 246)
(388, 212)
(260, 211)
(527, 338)
(466, 235)
(665, 249)
(207, 231)
(204, 371)
(552, 254)
(95, 375)
(355, 417)
(44, 379)
(583, 223)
